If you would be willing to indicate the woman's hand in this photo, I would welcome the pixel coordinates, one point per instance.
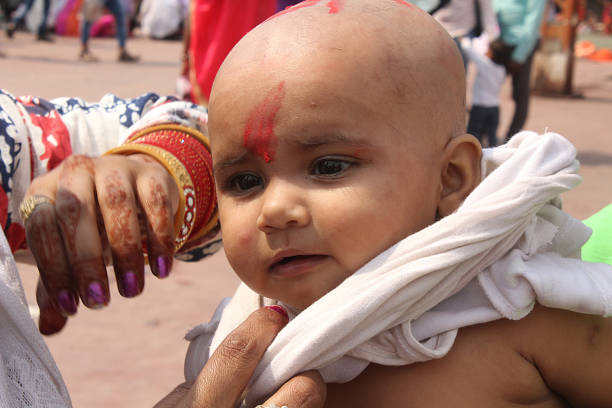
(225, 376)
(85, 206)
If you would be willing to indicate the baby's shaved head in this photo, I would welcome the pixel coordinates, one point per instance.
(337, 129)
(391, 54)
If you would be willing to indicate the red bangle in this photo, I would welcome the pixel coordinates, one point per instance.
(191, 148)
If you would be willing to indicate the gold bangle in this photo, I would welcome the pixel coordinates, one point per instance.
(185, 217)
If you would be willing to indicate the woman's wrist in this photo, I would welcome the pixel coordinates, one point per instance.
(184, 152)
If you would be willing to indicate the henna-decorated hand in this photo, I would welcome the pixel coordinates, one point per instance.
(225, 376)
(115, 202)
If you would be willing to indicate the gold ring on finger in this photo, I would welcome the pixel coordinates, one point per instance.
(29, 204)
(271, 406)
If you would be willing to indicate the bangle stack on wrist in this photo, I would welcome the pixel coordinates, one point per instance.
(185, 153)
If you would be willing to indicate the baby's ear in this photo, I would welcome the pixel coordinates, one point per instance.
(460, 172)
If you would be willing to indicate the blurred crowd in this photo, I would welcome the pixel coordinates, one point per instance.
(157, 19)
(500, 38)
(83, 18)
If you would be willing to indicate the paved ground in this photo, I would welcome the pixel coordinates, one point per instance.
(131, 354)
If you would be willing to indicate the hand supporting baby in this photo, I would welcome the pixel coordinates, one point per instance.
(228, 371)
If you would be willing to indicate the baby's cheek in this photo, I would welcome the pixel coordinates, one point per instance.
(236, 225)
(241, 253)
(238, 243)
(244, 237)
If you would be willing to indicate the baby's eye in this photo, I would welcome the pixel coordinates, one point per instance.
(243, 183)
(330, 167)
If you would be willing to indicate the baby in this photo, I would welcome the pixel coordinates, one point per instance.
(337, 130)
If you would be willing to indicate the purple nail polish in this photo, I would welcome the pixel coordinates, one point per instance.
(96, 296)
(67, 302)
(130, 284)
(163, 266)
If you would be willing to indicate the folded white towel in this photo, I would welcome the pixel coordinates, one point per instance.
(508, 245)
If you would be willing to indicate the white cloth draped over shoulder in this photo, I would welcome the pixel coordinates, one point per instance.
(28, 374)
(507, 246)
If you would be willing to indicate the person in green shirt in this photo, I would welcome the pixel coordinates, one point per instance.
(599, 247)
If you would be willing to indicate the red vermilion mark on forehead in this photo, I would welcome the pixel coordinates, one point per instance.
(335, 6)
(404, 2)
(259, 131)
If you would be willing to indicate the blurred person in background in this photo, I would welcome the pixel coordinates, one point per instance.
(161, 19)
(467, 19)
(519, 22)
(19, 17)
(490, 59)
(463, 19)
(90, 11)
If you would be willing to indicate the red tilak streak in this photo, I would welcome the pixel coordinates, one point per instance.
(259, 131)
(335, 6)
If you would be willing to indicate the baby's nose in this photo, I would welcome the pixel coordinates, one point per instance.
(284, 206)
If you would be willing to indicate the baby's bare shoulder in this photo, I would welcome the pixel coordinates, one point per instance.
(573, 353)
(548, 358)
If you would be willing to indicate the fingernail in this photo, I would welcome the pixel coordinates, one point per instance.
(96, 296)
(130, 284)
(279, 309)
(67, 302)
(163, 266)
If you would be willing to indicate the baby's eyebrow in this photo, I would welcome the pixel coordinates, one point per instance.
(331, 138)
(302, 142)
(230, 161)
